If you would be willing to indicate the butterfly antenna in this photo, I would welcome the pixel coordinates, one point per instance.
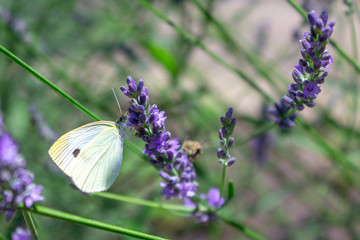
(116, 100)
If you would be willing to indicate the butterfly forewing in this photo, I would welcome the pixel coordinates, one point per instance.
(91, 155)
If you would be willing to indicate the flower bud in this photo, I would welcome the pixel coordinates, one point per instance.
(140, 86)
(221, 153)
(131, 84)
(230, 162)
(231, 142)
(303, 62)
(310, 103)
(300, 107)
(313, 17)
(324, 17)
(229, 113)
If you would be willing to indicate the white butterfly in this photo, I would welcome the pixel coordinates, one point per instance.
(91, 155)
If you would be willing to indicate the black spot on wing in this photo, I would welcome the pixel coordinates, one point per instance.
(76, 152)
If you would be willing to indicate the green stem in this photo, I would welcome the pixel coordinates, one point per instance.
(333, 153)
(345, 55)
(223, 175)
(355, 85)
(41, 210)
(47, 82)
(143, 202)
(342, 53)
(214, 56)
(261, 130)
(242, 228)
(30, 224)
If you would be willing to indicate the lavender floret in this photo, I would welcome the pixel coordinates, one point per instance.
(205, 214)
(21, 234)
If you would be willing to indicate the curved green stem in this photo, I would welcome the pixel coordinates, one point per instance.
(143, 202)
(223, 179)
(30, 224)
(41, 210)
(242, 228)
(258, 132)
(214, 56)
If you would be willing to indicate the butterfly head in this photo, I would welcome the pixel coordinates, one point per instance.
(122, 120)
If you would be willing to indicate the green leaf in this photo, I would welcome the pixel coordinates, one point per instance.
(230, 190)
(164, 57)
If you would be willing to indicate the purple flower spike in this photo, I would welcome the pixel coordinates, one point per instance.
(162, 151)
(16, 183)
(310, 72)
(226, 141)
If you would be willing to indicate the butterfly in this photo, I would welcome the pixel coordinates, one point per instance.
(91, 155)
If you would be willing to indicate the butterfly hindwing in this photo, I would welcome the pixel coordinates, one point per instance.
(99, 162)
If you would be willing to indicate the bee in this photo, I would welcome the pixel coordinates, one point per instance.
(192, 149)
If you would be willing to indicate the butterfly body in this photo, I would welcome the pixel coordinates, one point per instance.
(91, 155)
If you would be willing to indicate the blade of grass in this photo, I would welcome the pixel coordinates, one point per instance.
(336, 155)
(49, 212)
(355, 85)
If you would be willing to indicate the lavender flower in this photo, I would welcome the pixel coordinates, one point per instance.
(21, 234)
(226, 141)
(309, 74)
(280, 115)
(41, 125)
(162, 151)
(15, 24)
(261, 146)
(204, 214)
(16, 183)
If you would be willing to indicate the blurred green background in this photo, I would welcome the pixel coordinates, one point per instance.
(86, 48)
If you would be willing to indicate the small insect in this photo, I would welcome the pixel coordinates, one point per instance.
(192, 149)
(91, 155)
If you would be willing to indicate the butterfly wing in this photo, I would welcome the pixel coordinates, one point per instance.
(91, 155)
